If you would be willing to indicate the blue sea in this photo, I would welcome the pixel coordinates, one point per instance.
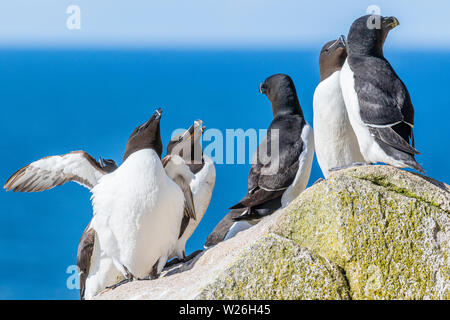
(56, 101)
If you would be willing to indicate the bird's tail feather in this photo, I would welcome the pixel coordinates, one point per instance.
(237, 206)
(249, 214)
(414, 165)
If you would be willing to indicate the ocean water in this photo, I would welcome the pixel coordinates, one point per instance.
(53, 102)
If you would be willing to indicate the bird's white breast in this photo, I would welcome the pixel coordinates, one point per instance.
(137, 213)
(335, 142)
(369, 148)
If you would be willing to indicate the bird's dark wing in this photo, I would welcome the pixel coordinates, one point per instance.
(84, 255)
(384, 100)
(189, 208)
(255, 172)
(184, 224)
(49, 172)
(277, 162)
(258, 212)
(258, 197)
(396, 147)
(391, 138)
(178, 171)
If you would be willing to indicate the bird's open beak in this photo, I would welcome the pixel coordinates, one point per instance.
(158, 113)
(190, 133)
(342, 40)
(155, 116)
(262, 88)
(390, 23)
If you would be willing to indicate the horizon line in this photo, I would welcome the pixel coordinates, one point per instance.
(196, 47)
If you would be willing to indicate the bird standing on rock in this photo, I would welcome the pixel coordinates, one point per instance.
(336, 144)
(138, 208)
(378, 103)
(188, 146)
(277, 175)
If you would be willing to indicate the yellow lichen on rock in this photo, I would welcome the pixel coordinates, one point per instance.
(387, 228)
(277, 268)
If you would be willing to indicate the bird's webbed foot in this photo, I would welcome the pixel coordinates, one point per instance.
(153, 275)
(192, 256)
(118, 284)
(173, 262)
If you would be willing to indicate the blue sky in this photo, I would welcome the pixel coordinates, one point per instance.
(130, 59)
(207, 23)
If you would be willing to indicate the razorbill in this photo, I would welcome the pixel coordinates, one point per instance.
(335, 142)
(378, 104)
(138, 208)
(188, 146)
(269, 189)
(276, 179)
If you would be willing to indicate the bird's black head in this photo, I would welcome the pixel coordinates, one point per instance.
(281, 92)
(368, 33)
(332, 57)
(146, 136)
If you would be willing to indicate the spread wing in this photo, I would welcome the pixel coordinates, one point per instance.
(179, 172)
(49, 172)
(277, 162)
(384, 101)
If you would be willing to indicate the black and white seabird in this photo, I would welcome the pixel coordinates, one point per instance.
(157, 201)
(138, 208)
(335, 141)
(275, 179)
(188, 146)
(377, 101)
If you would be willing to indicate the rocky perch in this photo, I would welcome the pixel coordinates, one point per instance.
(372, 232)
